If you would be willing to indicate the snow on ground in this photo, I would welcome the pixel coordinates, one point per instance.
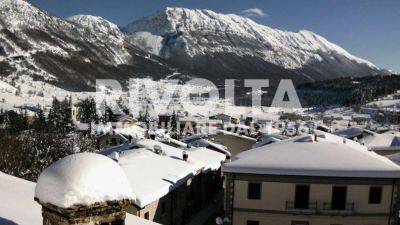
(391, 103)
(34, 93)
(83, 178)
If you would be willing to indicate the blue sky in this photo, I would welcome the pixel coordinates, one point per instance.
(366, 28)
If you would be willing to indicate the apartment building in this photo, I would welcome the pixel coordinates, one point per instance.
(319, 179)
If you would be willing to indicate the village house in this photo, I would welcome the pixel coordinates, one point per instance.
(109, 136)
(225, 118)
(123, 120)
(234, 142)
(383, 144)
(317, 179)
(164, 118)
(170, 184)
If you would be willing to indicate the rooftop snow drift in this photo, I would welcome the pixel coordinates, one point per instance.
(83, 179)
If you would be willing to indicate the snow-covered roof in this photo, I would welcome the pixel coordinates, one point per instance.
(371, 139)
(209, 144)
(22, 209)
(135, 220)
(217, 132)
(18, 205)
(82, 179)
(152, 175)
(135, 131)
(200, 158)
(328, 156)
(164, 171)
(382, 140)
(265, 140)
(395, 158)
(350, 132)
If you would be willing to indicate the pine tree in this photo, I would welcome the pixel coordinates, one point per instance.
(87, 111)
(39, 123)
(59, 118)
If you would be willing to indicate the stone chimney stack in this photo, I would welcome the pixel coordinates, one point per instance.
(109, 212)
(72, 192)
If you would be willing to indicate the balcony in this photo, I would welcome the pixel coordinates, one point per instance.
(326, 208)
(338, 209)
(303, 208)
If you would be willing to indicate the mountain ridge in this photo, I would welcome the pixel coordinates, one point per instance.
(195, 33)
(73, 52)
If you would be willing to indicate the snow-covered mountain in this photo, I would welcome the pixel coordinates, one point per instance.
(70, 53)
(214, 43)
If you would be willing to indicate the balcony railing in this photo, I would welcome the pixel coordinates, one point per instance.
(320, 208)
(330, 208)
(311, 207)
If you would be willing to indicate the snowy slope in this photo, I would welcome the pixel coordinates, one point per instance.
(197, 32)
(97, 25)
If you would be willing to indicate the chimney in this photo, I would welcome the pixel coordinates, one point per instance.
(103, 207)
(227, 158)
(157, 149)
(185, 156)
(115, 156)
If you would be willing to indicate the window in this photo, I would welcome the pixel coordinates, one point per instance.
(252, 222)
(146, 215)
(254, 191)
(375, 195)
(339, 198)
(302, 196)
(163, 208)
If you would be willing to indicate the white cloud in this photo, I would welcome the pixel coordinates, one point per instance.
(254, 12)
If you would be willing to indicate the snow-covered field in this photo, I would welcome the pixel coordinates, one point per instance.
(33, 93)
